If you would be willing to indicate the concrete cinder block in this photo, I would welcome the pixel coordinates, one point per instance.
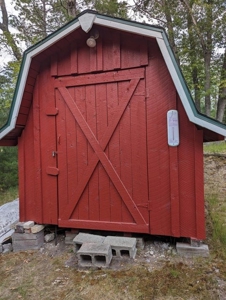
(187, 250)
(27, 241)
(86, 238)
(69, 237)
(122, 246)
(19, 228)
(94, 255)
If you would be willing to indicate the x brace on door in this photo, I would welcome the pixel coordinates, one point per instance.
(99, 148)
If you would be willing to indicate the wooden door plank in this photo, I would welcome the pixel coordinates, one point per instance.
(113, 152)
(99, 78)
(104, 141)
(125, 152)
(71, 157)
(104, 225)
(82, 199)
(93, 184)
(102, 124)
(139, 153)
(102, 156)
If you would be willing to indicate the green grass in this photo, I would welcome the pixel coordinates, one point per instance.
(9, 195)
(216, 147)
(217, 219)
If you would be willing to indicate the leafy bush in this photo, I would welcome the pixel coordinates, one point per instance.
(8, 168)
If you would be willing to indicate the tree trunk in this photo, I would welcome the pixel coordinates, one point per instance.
(71, 8)
(207, 85)
(221, 104)
(4, 26)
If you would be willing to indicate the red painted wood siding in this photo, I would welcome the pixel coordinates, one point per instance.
(109, 173)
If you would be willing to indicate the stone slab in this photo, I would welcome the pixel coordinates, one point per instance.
(122, 245)
(36, 228)
(187, 250)
(87, 238)
(29, 224)
(94, 255)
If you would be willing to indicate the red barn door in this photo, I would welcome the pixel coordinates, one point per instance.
(102, 158)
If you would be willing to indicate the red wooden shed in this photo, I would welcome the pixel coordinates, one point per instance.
(108, 134)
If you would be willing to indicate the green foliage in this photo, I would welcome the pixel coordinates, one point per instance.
(110, 7)
(8, 195)
(217, 216)
(217, 147)
(7, 84)
(8, 168)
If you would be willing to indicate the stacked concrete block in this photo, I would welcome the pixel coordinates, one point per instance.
(94, 255)
(97, 251)
(187, 250)
(82, 238)
(122, 246)
(27, 236)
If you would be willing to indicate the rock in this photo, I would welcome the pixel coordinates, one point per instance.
(36, 228)
(7, 248)
(29, 224)
(49, 237)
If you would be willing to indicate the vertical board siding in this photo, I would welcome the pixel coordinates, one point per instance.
(158, 103)
(114, 50)
(199, 185)
(125, 178)
(48, 145)
(187, 175)
(22, 178)
(38, 188)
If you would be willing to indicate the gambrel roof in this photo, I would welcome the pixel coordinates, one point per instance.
(33, 56)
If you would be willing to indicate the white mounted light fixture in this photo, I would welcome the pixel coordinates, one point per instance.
(173, 128)
(91, 41)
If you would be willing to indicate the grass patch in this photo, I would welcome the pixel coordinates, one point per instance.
(217, 218)
(9, 195)
(216, 147)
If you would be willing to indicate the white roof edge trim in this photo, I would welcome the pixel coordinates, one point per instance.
(21, 88)
(86, 21)
(7, 130)
(209, 126)
(128, 28)
(175, 79)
